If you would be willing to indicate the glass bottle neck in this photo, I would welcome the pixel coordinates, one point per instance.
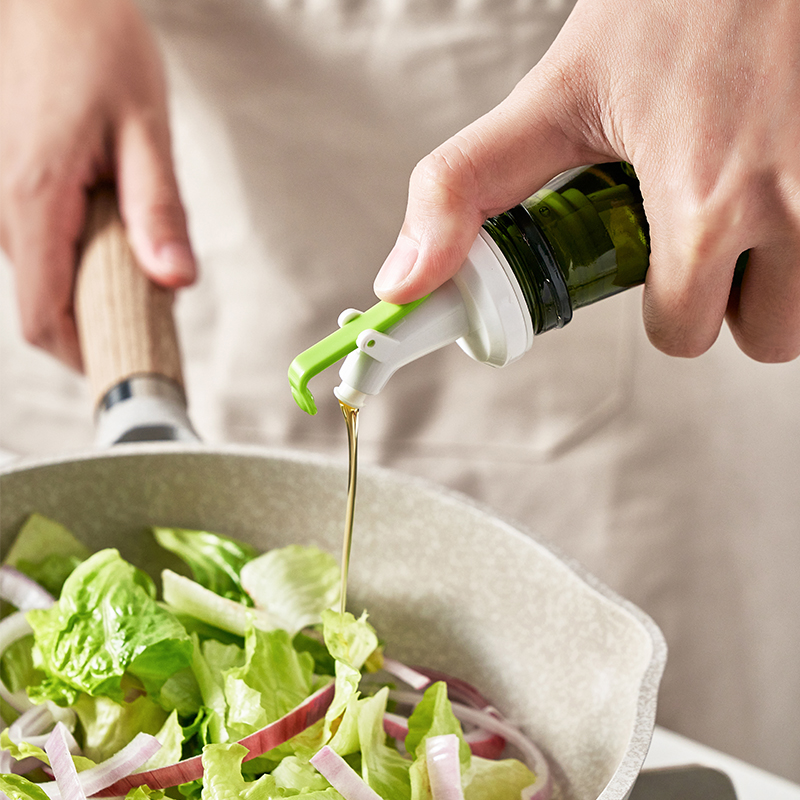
(533, 264)
(580, 239)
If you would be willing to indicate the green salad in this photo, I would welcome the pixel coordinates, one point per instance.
(241, 681)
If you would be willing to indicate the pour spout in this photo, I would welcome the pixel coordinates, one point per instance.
(481, 308)
(441, 320)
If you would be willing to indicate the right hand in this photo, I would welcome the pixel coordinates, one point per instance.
(83, 100)
(702, 99)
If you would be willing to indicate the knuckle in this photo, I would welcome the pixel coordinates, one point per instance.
(445, 177)
(672, 324)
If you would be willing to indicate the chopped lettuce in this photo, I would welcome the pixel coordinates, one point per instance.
(210, 661)
(108, 725)
(215, 560)
(222, 779)
(106, 623)
(350, 641)
(18, 787)
(273, 680)
(46, 552)
(293, 584)
(496, 780)
(382, 767)
(16, 665)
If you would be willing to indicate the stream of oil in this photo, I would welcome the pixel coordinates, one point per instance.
(351, 420)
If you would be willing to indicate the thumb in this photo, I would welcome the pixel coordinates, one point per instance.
(485, 169)
(150, 204)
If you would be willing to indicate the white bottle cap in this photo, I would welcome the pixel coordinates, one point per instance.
(482, 308)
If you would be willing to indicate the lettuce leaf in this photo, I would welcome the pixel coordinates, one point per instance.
(108, 725)
(222, 779)
(273, 680)
(46, 552)
(16, 665)
(209, 663)
(16, 787)
(293, 584)
(350, 641)
(181, 693)
(105, 624)
(382, 766)
(215, 560)
(496, 780)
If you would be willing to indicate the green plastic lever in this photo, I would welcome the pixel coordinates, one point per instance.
(339, 344)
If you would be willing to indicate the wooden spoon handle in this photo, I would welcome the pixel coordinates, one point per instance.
(125, 321)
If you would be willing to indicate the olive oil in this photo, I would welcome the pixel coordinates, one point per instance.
(351, 421)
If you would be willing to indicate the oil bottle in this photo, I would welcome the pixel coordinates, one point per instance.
(581, 238)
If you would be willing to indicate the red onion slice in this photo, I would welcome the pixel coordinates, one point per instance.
(57, 749)
(485, 744)
(342, 776)
(311, 710)
(32, 722)
(413, 677)
(444, 767)
(142, 747)
(457, 689)
(481, 743)
(395, 725)
(21, 591)
(12, 628)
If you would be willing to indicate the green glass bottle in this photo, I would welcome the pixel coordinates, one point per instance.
(580, 239)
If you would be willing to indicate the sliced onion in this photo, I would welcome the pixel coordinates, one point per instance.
(95, 779)
(413, 677)
(21, 591)
(30, 727)
(342, 776)
(34, 721)
(57, 749)
(485, 744)
(457, 689)
(12, 628)
(311, 710)
(395, 725)
(444, 767)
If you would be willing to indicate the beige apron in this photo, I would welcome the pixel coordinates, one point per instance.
(296, 124)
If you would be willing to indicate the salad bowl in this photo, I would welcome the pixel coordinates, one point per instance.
(447, 584)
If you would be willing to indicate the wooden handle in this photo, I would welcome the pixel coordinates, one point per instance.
(125, 321)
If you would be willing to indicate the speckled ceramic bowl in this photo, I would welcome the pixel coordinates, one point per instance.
(447, 584)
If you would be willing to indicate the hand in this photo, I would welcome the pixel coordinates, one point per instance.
(83, 99)
(704, 100)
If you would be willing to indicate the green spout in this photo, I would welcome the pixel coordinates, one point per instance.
(339, 344)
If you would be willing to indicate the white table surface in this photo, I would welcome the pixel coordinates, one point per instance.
(669, 749)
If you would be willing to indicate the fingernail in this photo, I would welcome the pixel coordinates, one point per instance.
(175, 260)
(398, 265)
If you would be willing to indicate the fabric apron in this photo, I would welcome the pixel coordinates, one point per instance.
(296, 126)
